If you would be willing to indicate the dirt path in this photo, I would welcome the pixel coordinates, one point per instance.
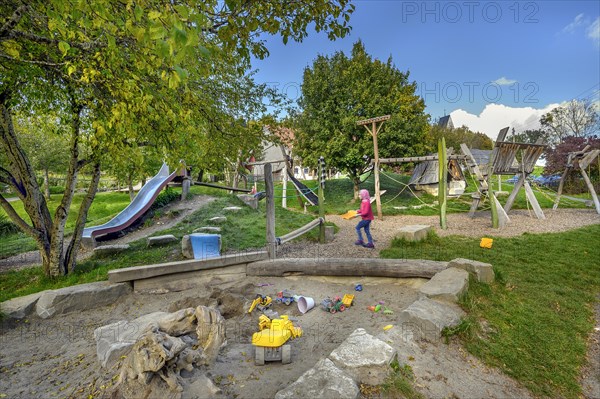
(57, 357)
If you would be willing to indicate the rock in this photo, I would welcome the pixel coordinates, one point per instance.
(207, 229)
(232, 209)
(415, 232)
(448, 285)
(153, 367)
(249, 200)
(218, 219)
(324, 380)
(160, 240)
(426, 318)
(365, 358)
(150, 367)
(106, 250)
(79, 297)
(201, 387)
(210, 331)
(484, 272)
(186, 247)
(178, 323)
(21, 307)
(115, 340)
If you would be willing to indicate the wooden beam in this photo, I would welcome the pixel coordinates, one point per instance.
(591, 188)
(399, 268)
(264, 162)
(373, 120)
(513, 194)
(534, 202)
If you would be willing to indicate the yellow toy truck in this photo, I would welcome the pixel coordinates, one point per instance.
(261, 302)
(270, 342)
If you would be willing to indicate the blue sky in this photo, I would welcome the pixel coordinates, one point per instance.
(489, 64)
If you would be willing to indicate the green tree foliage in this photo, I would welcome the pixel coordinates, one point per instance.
(126, 74)
(338, 91)
(455, 137)
(528, 136)
(575, 118)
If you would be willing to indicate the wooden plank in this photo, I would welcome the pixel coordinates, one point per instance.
(560, 186)
(373, 120)
(513, 194)
(533, 201)
(186, 266)
(588, 158)
(264, 162)
(503, 218)
(399, 268)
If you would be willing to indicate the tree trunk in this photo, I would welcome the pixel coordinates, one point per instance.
(21, 177)
(356, 185)
(130, 186)
(46, 184)
(70, 260)
(200, 175)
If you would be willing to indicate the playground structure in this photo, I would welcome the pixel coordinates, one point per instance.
(579, 159)
(138, 207)
(502, 160)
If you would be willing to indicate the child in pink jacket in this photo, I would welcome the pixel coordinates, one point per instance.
(366, 213)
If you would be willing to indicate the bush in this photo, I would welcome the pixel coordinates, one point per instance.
(7, 226)
(164, 198)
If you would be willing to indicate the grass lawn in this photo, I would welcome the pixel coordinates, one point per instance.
(533, 322)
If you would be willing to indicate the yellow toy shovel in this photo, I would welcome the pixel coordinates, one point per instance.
(350, 214)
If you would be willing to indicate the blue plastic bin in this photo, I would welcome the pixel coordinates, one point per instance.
(206, 246)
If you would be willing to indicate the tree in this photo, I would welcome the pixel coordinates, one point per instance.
(576, 118)
(528, 136)
(338, 91)
(455, 137)
(125, 73)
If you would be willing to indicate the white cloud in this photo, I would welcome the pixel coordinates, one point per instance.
(503, 81)
(578, 21)
(497, 116)
(593, 31)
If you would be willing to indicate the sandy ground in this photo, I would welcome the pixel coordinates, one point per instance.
(57, 357)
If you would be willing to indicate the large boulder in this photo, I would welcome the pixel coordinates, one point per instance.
(160, 240)
(178, 341)
(448, 285)
(115, 340)
(483, 272)
(365, 358)
(21, 307)
(426, 318)
(79, 297)
(324, 380)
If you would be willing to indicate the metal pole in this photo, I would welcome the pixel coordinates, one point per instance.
(285, 179)
(270, 205)
(322, 200)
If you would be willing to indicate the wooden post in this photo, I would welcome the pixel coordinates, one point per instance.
(270, 204)
(373, 131)
(442, 176)
(591, 188)
(321, 202)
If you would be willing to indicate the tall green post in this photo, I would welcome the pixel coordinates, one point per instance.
(322, 199)
(442, 181)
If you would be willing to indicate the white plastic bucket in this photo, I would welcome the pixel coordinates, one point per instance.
(305, 304)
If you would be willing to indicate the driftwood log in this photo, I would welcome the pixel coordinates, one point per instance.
(399, 268)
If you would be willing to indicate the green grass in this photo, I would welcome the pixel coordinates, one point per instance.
(533, 322)
(244, 230)
(399, 384)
